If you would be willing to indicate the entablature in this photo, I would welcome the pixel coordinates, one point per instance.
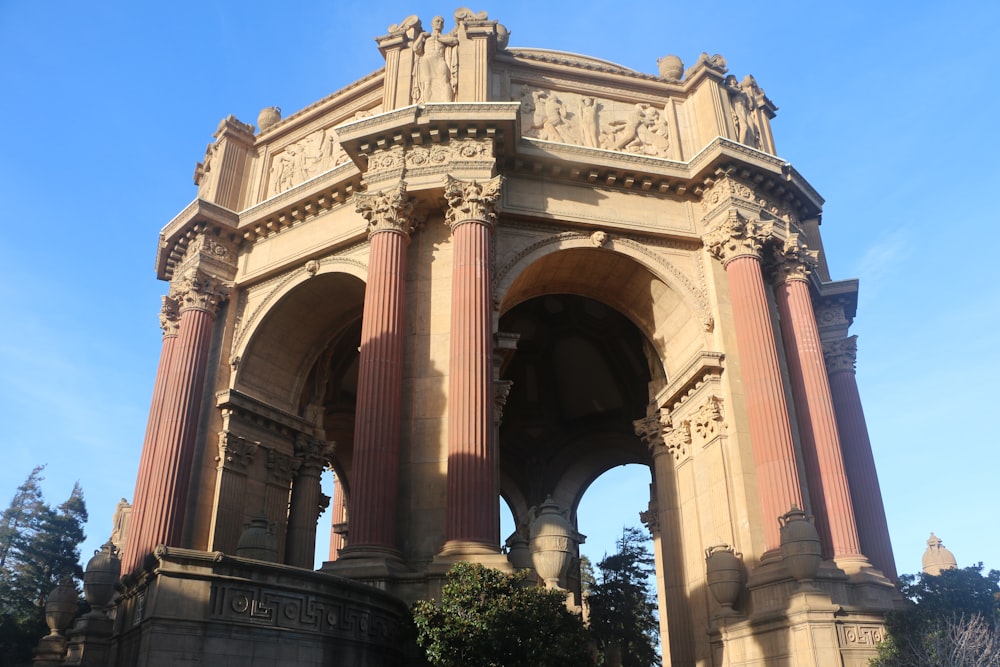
(198, 217)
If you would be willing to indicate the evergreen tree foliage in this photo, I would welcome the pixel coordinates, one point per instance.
(953, 621)
(38, 546)
(623, 604)
(486, 618)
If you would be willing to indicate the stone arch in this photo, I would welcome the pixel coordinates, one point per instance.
(287, 331)
(667, 306)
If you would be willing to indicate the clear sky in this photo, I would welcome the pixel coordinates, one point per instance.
(888, 108)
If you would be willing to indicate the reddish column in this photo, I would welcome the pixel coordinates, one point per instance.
(859, 462)
(166, 499)
(827, 479)
(375, 473)
(168, 322)
(472, 524)
(738, 242)
(338, 520)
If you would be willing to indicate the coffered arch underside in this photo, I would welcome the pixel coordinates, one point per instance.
(284, 323)
(659, 286)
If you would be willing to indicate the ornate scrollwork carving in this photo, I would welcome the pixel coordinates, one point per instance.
(677, 439)
(793, 260)
(313, 454)
(386, 210)
(197, 290)
(661, 435)
(235, 452)
(708, 420)
(472, 200)
(169, 316)
(501, 389)
(281, 467)
(738, 236)
(841, 355)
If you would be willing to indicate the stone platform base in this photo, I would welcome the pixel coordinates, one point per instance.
(197, 608)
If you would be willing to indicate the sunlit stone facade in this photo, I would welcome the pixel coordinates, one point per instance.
(486, 272)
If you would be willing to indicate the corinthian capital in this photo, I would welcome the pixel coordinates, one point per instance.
(736, 237)
(386, 210)
(196, 290)
(169, 316)
(312, 453)
(840, 355)
(793, 260)
(472, 200)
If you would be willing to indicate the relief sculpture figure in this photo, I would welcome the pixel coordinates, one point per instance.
(589, 133)
(435, 66)
(744, 100)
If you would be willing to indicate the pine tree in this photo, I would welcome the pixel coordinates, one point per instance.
(622, 604)
(38, 546)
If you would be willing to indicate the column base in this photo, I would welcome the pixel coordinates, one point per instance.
(467, 548)
(371, 564)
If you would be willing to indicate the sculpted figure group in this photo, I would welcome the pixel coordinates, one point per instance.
(639, 128)
(304, 159)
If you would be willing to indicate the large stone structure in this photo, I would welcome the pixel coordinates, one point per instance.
(487, 272)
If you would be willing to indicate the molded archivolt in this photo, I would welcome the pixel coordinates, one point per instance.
(292, 327)
(666, 307)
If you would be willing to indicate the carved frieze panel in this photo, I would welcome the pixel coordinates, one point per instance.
(302, 612)
(574, 118)
(301, 160)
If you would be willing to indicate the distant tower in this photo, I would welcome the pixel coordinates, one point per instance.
(937, 557)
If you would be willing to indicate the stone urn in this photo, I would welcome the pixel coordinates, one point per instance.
(800, 546)
(101, 575)
(671, 68)
(724, 572)
(60, 607)
(518, 553)
(267, 117)
(258, 541)
(553, 542)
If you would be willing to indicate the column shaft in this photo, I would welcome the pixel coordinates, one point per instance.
(130, 557)
(859, 464)
(338, 519)
(168, 493)
(303, 512)
(770, 429)
(472, 493)
(827, 479)
(380, 378)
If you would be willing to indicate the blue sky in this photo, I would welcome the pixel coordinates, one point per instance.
(889, 109)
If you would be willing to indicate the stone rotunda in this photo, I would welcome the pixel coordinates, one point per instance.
(487, 274)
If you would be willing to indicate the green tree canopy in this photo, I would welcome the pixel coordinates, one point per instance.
(623, 604)
(39, 545)
(486, 618)
(953, 620)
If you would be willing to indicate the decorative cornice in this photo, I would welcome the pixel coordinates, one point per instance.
(793, 260)
(737, 236)
(386, 210)
(169, 316)
(472, 201)
(841, 355)
(703, 367)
